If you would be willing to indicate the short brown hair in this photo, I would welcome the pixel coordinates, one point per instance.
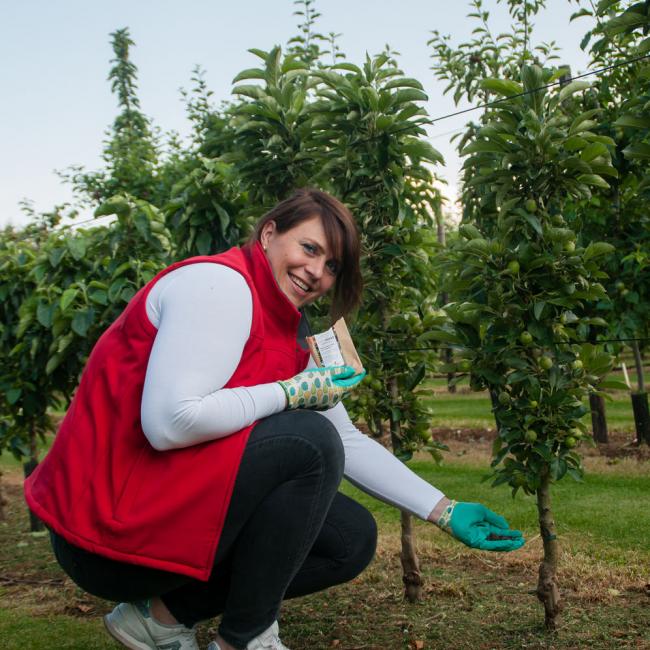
(342, 237)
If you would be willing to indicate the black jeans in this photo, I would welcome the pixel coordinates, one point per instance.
(288, 532)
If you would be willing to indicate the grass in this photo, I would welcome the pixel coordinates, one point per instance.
(474, 410)
(471, 599)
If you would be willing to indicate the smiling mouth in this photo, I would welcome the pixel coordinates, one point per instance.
(299, 283)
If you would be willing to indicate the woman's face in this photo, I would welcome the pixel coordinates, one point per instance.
(301, 260)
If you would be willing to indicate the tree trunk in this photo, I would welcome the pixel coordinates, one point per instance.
(638, 362)
(35, 524)
(449, 358)
(547, 589)
(379, 428)
(598, 420)
(411, 577)
(3, 514)
(495, 403)
(641, 417)
(447, 354)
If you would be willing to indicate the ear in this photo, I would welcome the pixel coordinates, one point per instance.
(268, 230)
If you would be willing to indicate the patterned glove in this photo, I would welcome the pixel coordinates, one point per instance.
(319, 389)
(479, 527)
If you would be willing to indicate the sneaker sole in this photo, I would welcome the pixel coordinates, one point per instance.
(125, 640)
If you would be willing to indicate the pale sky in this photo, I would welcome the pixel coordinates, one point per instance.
(56, 102)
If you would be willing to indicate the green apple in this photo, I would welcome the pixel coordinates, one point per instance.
(526, 338)
(530, 436)
(546, 363)
(531, 205)
(513, 267)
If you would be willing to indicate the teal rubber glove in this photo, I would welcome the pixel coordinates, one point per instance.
(319, 389)
(478, 527)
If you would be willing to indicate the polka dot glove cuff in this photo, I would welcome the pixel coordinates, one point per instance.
(319, 389)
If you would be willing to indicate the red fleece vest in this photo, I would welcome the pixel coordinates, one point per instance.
(105, 489)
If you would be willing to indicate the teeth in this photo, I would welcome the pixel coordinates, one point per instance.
(301, 284)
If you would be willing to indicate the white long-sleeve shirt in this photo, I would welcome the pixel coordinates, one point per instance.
(203, 314)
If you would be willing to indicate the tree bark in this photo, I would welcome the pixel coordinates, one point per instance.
(379, 428)
(448, 356)
(641, 417)
(598, 420)
(3, 514)
(495, 403)
(35, 524)
(547, 588)
(411, 577)
(638, 362)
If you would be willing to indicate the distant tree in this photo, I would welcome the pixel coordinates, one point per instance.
(131, 152)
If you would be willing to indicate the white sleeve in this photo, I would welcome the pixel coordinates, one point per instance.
(375, 470)
(203, 313)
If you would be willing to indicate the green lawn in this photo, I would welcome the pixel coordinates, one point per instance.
(465, 409)
(604, 531)
(606, 514)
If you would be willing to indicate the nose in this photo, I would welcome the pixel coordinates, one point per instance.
(316, 267)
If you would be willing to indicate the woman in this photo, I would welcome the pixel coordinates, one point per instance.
(192, 475)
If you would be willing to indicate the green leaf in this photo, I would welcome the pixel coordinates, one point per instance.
(13, 395)
(250, 73)
(415, 377)
(572, 88)
(99, 296)
(534, 222)
(593, 179)
(115, 205)
(82, 321)
(574, 143)
(613, 384)
(254, 92)
(628, 20)
(350, 67)
(538, 308)
(204, 242)
(438, 335)
(404, 82)
(596, 249)
(409, 95)
(56, 255)
(44, 314)
(421, 150)
(53, 363)
(633, 121)
(77, 247)
(68, 298)
(579, 14)
(484, 146)
(640, 151)
(503, 87)
(592, 151)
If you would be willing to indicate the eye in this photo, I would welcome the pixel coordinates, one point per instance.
(309, 248)
(332, 267)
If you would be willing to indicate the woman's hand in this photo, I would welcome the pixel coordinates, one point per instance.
(319, 389)
(476, 526)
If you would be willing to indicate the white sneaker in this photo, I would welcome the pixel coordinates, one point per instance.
(133, 626)
(268, 640)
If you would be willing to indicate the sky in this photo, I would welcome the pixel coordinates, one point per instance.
(56, 101)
